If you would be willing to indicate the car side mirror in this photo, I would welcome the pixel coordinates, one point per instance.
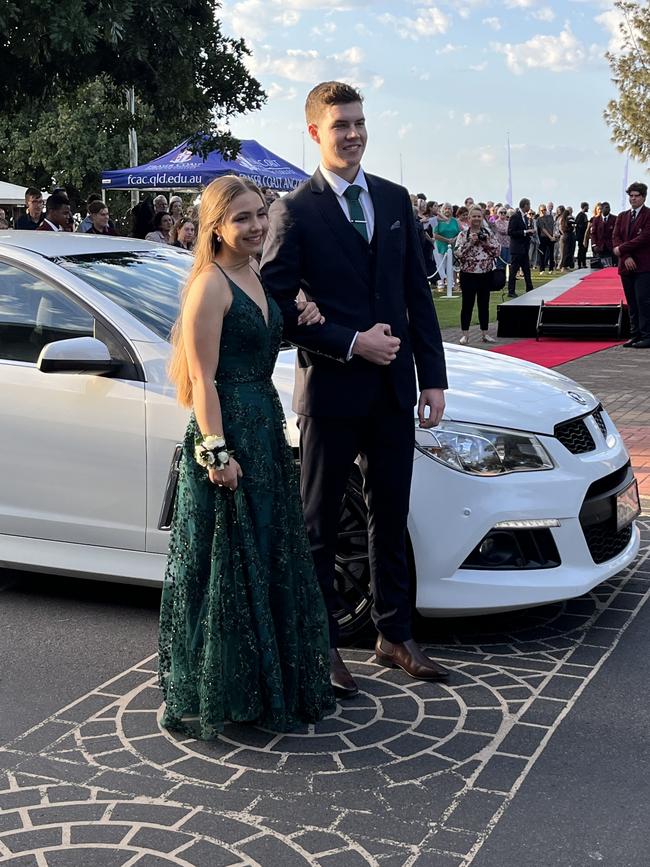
(76, 355)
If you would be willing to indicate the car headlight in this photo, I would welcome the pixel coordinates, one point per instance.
(483, 451)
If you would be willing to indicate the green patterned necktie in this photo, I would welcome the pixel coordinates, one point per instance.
(357, 217)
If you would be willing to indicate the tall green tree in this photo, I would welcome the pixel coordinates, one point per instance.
(63, 111)
(629, 116)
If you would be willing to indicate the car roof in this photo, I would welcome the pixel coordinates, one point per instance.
(55, 244)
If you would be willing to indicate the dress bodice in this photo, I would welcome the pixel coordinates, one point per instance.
(249, 346)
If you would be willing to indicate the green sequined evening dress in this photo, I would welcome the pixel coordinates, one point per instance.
(243, 628)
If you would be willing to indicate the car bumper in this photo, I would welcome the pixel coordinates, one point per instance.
(452, 512)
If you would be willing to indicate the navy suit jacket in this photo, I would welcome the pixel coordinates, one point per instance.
(312, 246)
(519, 240)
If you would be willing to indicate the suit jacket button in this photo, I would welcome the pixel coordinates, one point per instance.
(377, 295)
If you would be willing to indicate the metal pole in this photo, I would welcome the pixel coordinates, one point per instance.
(133, 141)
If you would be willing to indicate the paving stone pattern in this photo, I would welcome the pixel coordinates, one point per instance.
(407, 774)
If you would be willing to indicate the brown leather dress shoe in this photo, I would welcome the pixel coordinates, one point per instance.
(342, 681)
(409, 658)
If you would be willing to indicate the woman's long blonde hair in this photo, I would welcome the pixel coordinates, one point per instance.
(215, 201)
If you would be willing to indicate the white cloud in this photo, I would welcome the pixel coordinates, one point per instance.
(543, 14)
(388, 114)
(611, 21)
(474, 119)
(353, 55)
(449, 48)
(493, 22)
(252, 19)
(362, 29)
(553, 119)
(288, 18)
(478, 67)
(561, 53)
(430, 21)
(404, 130)
(327, 28)
(519, 4)
(277, 92)
(376, 82)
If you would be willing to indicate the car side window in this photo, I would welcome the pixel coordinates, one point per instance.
(33, 312)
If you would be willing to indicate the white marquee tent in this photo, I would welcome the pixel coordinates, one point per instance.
(12, 194)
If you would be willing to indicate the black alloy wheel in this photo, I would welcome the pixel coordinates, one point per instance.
(352, 579)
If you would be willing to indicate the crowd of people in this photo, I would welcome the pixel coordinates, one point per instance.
(474, 248)
(480, 246)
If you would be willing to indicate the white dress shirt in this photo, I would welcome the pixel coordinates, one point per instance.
(339, 185)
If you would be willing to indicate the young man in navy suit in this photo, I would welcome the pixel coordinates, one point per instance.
(349, 241)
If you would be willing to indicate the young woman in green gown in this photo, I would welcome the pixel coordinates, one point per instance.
(243, 629)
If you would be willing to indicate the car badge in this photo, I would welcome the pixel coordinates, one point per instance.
(577, 397)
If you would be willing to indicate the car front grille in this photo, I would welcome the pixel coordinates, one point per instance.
(604, 544)
(574, 436)
(600, 421)
(598, 516)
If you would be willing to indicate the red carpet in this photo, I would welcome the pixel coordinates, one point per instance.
(599, 287)
(595, 288)
(551, 351)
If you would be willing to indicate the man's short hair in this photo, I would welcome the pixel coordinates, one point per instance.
(329, 93)
(56, 201)
(33, 193)
(96, 206)
(523, 204)
(638, 187)
(94, 197)
(602, 204)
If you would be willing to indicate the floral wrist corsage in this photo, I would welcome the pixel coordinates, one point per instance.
(211, 452)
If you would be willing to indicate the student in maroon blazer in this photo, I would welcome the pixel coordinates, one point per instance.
(632, 246)
(57, 214)
(602, 232)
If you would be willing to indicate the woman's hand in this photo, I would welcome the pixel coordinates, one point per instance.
(228, 477)
(309, 313)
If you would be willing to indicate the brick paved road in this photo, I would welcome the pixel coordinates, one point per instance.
(406, 775)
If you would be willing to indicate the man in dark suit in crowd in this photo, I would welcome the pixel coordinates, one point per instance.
(520, 231)
(349, 241)
(582, 221)
(632, 246)
(34, 207)
(602, 231)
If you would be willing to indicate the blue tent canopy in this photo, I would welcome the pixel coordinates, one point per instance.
(181, 168)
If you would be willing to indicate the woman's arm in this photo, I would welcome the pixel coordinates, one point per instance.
(208, 301)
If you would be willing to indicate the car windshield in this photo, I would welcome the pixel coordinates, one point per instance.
(146, 283)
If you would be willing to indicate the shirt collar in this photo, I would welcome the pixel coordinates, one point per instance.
(56, 228)
(339, 185)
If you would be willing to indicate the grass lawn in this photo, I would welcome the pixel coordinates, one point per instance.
(448, 309)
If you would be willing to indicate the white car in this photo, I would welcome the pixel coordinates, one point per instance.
(523, 495)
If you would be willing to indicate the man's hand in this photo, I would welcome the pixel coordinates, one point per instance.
(377, 345)
(617, 251)
(434, 398)
(630, 264)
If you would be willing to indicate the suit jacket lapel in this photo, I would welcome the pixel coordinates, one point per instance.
(331, 211)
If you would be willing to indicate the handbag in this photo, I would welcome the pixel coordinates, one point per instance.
(498, 275)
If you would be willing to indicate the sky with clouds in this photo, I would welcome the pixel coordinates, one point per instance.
(444, 83)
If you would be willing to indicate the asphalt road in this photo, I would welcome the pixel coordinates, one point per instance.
(536, 755)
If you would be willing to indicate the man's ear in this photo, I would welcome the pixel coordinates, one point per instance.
(312, 129)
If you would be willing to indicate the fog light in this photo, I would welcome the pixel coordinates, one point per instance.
(528, 524)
